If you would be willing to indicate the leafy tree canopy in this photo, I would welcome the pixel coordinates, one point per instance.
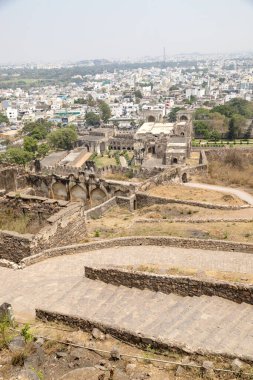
(92, 119)
(62, 138)
(38, 129)
(105, 111)
(16, 155)
(30, 144)
(173, 114)
(236, 106)
(3, 118)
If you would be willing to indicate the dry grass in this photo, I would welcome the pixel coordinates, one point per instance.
(233, 168)
(121, 177)
(11, 222)
(219, 173)
(120, 222)
(180, 192)
(191, 272)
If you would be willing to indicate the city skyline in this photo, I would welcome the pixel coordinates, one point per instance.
(35, 31)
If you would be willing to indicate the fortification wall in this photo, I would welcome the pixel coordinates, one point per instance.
(57, 222)
(14, 246)
(181, 285)
(163, 241)
(144, 200)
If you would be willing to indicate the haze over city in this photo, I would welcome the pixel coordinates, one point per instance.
(46, 31)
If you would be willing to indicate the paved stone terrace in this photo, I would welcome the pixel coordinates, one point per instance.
(197, 323)
(41, 283)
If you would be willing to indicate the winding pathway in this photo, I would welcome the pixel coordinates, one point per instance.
(243, 195)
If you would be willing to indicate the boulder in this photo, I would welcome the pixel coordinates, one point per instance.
(237, 365)
(89, 373)
(6, 313)
(17, 343)
(115, 354)
(27, 375)
(97, 334)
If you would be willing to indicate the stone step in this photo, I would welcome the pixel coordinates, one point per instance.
(203, 323)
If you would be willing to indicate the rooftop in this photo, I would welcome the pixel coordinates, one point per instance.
(156, 128)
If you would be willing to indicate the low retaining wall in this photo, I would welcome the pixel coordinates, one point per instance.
(98, 211)
(181, 285)
(127, 335)
(14, 246)
(144, 200)
(187, 220)
(120, 333)
(67, 226)
(215, 245)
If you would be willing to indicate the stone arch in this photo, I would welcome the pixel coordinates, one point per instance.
(183, 118)
(77, 194)
(174, 160)
(97, 196)
(184, 178)
(151, 119)
(121, 193)
(60, 191)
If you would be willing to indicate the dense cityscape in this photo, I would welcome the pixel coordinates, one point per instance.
(126, 190)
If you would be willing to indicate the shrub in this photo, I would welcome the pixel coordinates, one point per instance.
(233, 158)
(26, 333)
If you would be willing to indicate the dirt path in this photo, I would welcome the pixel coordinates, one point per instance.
(243, 195)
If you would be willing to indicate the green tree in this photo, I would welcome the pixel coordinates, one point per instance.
(92, 119)
(3, 118)
(62, 138)
(38, 129)
(90, 101)
(42, 150)
(30, 144)
(18, 156)
(236, 123)
(236, 106)
(191, 100)
(80, 101)
(173, 114)
(201, 129)
(105, 111)
(138, 94)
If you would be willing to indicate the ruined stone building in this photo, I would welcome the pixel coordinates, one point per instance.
(164, 143)
(155, 143)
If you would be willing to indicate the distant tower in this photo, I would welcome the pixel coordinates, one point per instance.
(164, 55)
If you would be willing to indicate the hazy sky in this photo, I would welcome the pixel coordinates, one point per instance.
(51, 30)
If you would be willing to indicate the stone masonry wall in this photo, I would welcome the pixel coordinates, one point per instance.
(162, 241)
(98, 211)
(55, 223)
(144, 200)
(14, 247)
(181, 285)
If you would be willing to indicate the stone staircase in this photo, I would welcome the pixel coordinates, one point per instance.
(195, 324)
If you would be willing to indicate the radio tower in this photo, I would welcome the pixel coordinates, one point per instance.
(164, 55)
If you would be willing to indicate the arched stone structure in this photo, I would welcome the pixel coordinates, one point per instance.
(184, 178)
(59, 191)
(78, 193)
(151, 119)
(97, 196)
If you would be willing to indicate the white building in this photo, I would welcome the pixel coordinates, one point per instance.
(12, 114)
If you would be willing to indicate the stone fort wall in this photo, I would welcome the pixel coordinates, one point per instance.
(162, 241)
(181, 285)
